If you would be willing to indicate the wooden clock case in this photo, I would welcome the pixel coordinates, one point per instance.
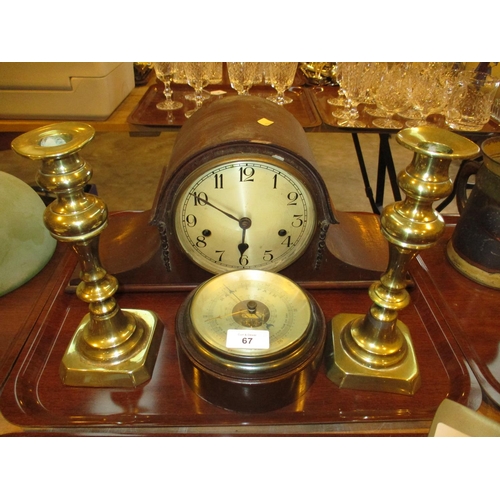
(141, 250)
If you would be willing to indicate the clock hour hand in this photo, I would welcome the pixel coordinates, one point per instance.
(245, 223)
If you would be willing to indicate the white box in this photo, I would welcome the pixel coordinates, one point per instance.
(63, 90)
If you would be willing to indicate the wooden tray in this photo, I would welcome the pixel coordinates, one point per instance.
(22, 307)
(146, 112)
(320, 96)
(471, 312)
(35, 399)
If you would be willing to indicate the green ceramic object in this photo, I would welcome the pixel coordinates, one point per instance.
(25, 244)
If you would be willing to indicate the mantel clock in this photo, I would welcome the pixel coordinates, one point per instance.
(241, 192)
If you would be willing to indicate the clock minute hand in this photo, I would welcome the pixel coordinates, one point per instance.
(206, 202)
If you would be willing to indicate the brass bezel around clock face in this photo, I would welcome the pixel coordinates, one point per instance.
(248, 211)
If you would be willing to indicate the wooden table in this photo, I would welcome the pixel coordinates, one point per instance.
(454, 352)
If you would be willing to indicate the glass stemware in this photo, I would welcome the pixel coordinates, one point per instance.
(426, 92)
(165, 73)
(180, 77)
(340, 100)
(374, 73)
(242, 76)
(355, 90)
(198, 76)
(392, 95)
(281, 76)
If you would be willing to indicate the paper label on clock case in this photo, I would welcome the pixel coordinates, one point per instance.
(247, 339)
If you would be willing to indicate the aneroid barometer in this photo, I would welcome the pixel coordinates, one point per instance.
(250, 340)
(241, 192)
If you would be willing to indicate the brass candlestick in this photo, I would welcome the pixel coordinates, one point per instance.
(111, 347)
(375, 351)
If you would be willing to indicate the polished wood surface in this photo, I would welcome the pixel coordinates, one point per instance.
(21, 308)
(147, 114)
(34, 400)
(321, 95)
(470, 310)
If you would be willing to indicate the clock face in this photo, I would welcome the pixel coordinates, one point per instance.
(244, 213)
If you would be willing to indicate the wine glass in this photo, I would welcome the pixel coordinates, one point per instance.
(180, 77)
(426, 92)
(198, 76)
(281, 76)
(355, 90)
(371, 77)
(340, 100)
(378, 71)
(242, 76)
(165, 73)
(392, 95)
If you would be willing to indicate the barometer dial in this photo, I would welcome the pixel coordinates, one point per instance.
(250, 340)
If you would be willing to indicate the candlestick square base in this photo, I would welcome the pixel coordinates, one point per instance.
(78, 370)
(348, 373)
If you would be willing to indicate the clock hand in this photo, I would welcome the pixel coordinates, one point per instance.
(243, 247)
(245, 223)
(206, 202)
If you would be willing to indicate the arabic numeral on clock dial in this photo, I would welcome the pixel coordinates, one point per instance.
(292, 198)
(191, 220)
(200, 198)
(200, 242)
(219, 181)
(246, 174)
(297, 221)
(275, 181)
(268, 256)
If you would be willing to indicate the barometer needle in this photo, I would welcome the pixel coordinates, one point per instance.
(237, 313)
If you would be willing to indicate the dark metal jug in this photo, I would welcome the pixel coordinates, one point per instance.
(474, 249)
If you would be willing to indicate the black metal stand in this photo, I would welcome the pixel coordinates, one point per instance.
(385, 167)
